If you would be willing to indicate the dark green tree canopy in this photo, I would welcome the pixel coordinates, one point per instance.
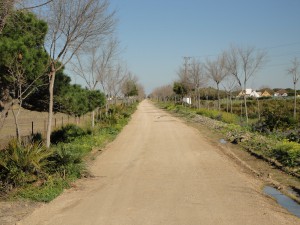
(78, 101)
(179, 88)
(22, 48)
(39, 100)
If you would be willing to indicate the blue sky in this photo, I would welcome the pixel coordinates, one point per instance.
(157, 34)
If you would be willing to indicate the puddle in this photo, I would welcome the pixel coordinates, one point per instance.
(222, 141)
(286, 202)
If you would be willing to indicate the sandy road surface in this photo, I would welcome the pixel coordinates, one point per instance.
(161, 172)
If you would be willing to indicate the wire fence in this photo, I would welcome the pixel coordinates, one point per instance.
(35, 122)
(32, 122)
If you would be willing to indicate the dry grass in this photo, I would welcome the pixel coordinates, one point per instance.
(39, 121)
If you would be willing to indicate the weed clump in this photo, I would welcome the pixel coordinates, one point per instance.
(67, 134)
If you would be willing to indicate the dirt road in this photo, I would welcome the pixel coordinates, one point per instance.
(159, 171)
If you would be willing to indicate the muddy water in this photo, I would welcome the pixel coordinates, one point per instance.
(286, 202)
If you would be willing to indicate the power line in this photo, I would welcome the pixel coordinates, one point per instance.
(281, 45)
(264, 48)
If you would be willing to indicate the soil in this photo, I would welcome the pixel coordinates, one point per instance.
(268, 173)
(161, 171)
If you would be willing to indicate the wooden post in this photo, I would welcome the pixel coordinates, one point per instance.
(45, 127)
(32, 128)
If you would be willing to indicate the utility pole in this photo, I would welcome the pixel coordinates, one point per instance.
(186, 67)
(186, 64)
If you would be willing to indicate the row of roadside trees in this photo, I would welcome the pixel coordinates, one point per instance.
(39, 39)
(230, 72)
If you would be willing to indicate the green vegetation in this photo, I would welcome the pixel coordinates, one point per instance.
(287, 153)
(219, 115)
(34, 172)
(22, 51)
(34, 79)
(67, 134)
(268, 142)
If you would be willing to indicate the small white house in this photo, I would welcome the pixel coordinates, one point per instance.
(187, 100)
(281, 93)
(249, 93)
(254, 94)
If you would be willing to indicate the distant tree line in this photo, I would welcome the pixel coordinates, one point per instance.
(223, 78)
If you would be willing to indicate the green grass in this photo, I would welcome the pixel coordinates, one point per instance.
(65, 163)
(45, 193)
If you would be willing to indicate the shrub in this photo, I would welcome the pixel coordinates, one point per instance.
(37, 137)
(23, 164)
(214, 114)
(230, 118)
(217, 115)
(41, 174)
(67, 160)
(287, 153)
(292, 135)
(67, 134)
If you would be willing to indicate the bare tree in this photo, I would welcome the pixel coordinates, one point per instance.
(116, 79)
(30, 4)
(163, 93)
(229, 86)
(243, 63)
(86, 69)
(216, 71)
(141, 91)
(7, 6)
(185, 79)
(74, 26)
(295, 73)
(197, 78)
(23, 86)
(104, 64)
(93, 67)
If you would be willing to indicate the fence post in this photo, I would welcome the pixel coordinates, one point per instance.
(45, 131)
(62, 121)
(55, 123)
(32, 128)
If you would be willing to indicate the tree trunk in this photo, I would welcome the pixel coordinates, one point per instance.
(230, 102)
(227, 104)
(50, 113)
(16, 115)
(93, 118)
(295, 100)
(246, 109)
(258, 109)
(199, 101)
(106, 108)
(241, 109)
(219, 105)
